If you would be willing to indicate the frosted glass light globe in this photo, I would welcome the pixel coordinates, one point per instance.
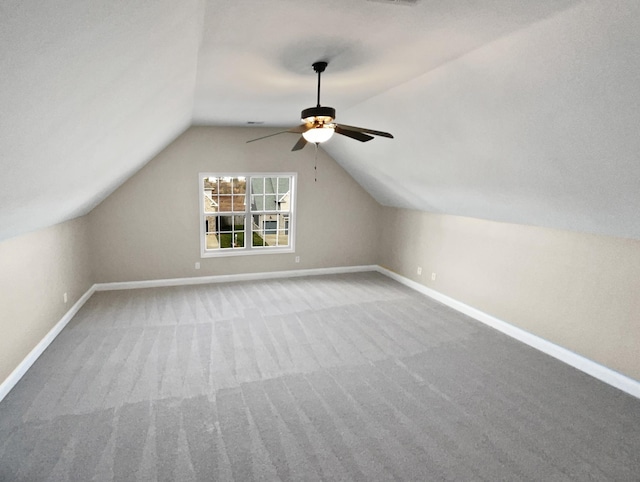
(318, 134)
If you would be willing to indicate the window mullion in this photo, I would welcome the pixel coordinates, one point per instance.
(248, 233)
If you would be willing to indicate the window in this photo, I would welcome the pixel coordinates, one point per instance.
(246, 213)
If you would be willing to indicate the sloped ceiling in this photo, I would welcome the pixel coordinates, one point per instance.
(510, 110)
(539, 127)
(89, 92)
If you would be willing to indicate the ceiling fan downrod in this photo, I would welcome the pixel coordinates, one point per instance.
(319, 68)
(318, 115)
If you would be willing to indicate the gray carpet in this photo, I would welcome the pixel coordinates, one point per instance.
(345, 377)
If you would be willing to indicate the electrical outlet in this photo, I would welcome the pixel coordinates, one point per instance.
(433, 276)
(419, 270)
(64, 297)
(297, 259)
(197, 264)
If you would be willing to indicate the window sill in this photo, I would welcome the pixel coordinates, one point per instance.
(224, 253)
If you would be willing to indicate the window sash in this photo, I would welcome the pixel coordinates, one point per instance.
(270, 223)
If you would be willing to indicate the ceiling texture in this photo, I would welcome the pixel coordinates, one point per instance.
(510, 110)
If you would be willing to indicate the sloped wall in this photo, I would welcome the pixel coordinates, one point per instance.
(576, 290)
(36, 269)
(149, 227)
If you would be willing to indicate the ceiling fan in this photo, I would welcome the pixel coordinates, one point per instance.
(319, 126)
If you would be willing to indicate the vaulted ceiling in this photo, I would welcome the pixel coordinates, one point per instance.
(510, 110)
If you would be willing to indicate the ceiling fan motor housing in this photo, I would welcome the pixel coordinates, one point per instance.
(320, 114)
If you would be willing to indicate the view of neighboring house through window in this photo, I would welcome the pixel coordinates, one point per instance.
(246, 213)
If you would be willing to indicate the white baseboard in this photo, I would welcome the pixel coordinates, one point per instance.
(226, 278)
(602, 373)
(590, 367)
(15, 376)
(21, 369)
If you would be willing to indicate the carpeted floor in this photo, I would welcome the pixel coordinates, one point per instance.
(342, 377)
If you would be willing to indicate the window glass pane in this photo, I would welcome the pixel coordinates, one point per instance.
(212, 241)
(226, 240)
(238, 223)
(211, 183)
(257, 201)
(270, 226)
(283, 202)
(283, 185)
(270, 185)
(225, 224)
(210, 224)
(225, 185)
(239, 185)
(210, 204)
(257, 239)
(283, 238)
(257, 185)
(210, 187)
(211, 238)
(223, 203)
(238, 240)
(270, 203)
(238, 203)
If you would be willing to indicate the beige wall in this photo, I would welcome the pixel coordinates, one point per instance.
(149, 227)
(579, 291)
(36, 269)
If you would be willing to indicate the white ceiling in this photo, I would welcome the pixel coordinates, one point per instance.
(255, 58)
(89, 92)
(511, 110)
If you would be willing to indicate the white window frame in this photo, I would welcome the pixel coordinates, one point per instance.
(248, 249)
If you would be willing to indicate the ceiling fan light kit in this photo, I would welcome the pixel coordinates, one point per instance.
(318, 124)
(319, 134)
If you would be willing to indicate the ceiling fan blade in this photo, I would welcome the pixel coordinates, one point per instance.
(359, 136)
(300, 144)
(368, 131)
(264, 137)
(301, 128)
(295, 130)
